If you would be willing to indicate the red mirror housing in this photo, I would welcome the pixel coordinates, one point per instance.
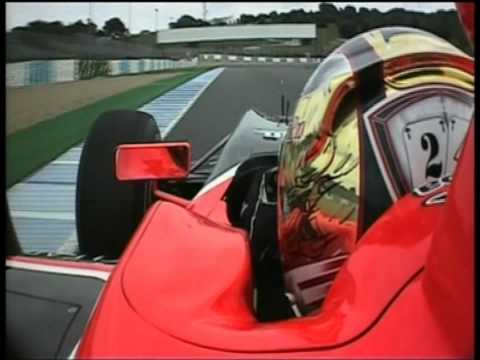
(158, 161)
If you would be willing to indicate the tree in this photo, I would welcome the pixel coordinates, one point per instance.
(328, 9)
(274, 16)
(349, 11)
(187, 21)
(297, 16)
(55, 27)
(114, 27)
(19, 28)
(246, 19)
(91, 27)
(263, 19)
(79, 27)
(347, 28)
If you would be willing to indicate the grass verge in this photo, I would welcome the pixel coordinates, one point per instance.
(29, 149)
(167, 71)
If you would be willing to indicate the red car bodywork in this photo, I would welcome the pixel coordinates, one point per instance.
(183, 287)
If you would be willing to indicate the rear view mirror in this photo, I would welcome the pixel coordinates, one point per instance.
(160, 161)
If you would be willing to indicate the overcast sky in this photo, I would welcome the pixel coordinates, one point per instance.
(143, 14)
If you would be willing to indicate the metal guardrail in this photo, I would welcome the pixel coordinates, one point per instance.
(225, 58)
(53, 71)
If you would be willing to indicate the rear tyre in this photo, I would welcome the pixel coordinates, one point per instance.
(107, 210)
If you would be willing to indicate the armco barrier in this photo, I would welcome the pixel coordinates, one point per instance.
(16, 74)
(39, 72)
(52, 71)
(92, 68)
(63, 70)
(141, 66)
(256, 59)
(115, 67)
(134, 67)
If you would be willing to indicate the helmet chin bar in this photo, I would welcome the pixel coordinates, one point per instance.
(310, 283)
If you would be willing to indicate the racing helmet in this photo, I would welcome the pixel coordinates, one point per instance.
(382, 115)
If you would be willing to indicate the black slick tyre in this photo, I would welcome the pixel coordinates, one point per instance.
(107, 210)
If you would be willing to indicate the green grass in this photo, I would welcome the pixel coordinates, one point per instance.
(28, 150)
(166, 71)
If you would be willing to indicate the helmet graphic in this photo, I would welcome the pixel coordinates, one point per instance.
(382, 115)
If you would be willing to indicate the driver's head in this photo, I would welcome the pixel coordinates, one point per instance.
(383, 114)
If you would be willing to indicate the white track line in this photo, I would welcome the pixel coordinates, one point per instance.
(103, 275)
(190, 103)
(65, 162)
(42, 215)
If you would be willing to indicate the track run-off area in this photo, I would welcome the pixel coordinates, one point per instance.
(202, 111)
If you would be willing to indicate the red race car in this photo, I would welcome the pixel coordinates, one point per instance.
(346, 232)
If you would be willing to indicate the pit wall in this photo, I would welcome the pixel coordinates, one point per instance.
(53, 71)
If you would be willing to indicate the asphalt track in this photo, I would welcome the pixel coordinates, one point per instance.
(219, 109)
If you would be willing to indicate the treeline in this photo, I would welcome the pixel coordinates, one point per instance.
(113, 27)
(351, 22)
(186, 21)
(348, 20)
